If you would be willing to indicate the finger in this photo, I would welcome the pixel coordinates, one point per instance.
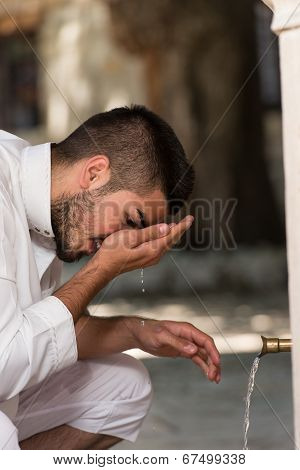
(218, 378)
(147, 234)
(178, 230)
(200, 363)
(212, 351)
(203, 354)
(217, 375)
(210, 374)
(207, 343)
(157, 246)
(202, 340)
(213, 370)
(184, 347)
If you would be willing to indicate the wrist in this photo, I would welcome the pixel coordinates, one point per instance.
(100, 267)
(104, 261)
(133, 325)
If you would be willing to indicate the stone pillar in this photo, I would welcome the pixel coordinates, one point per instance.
(84, 72)
(286, 23)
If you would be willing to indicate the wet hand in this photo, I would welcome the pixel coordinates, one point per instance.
(130, 249)
(176, 339)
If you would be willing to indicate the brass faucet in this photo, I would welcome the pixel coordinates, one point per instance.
(275, 345)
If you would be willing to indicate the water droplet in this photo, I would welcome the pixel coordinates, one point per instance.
(142, 279)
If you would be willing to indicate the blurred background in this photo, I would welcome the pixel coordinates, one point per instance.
(211, 69)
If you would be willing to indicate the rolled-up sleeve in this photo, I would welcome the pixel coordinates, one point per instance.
(35, 343)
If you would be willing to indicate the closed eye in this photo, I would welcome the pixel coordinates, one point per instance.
(131, 223)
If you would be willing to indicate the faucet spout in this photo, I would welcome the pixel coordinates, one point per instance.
(275, 345)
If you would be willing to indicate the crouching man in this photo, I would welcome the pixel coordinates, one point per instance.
(104, 192)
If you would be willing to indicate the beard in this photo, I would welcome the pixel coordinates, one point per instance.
(67, 215)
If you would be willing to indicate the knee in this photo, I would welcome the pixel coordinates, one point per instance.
(8, 433)
(136, 379)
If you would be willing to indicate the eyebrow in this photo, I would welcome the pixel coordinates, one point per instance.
(142, 218)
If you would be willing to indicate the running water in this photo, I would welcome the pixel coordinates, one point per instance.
(143, 290)
(248, 400)
(142, 279)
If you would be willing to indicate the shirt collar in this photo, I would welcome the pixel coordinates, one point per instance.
(36, 187)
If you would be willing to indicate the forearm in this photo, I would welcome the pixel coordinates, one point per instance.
(98, 337)
(78, 292)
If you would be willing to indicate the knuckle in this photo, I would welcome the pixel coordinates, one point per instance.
(210, 340)
(160, 329)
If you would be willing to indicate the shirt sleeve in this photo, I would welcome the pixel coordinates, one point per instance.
(35, 342)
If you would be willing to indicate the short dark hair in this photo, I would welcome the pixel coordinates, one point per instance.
(143, 150)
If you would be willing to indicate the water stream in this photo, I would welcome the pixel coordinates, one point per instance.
(251, 383)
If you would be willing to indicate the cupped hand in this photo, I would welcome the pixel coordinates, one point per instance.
(130, 249)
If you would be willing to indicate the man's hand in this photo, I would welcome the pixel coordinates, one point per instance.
(122, 251)
(173, 339)
(130, 249)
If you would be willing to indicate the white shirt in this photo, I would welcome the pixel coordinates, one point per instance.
(37, 336)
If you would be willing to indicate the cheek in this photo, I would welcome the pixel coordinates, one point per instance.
(110, 219)
(92, 224)
(103, 223)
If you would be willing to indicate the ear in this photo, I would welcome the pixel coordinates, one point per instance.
(95, 172)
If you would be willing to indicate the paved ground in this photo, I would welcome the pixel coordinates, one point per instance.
(188, 412)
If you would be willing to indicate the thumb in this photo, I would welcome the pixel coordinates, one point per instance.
(149, 233)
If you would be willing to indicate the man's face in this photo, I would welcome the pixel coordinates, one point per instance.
(82, 221)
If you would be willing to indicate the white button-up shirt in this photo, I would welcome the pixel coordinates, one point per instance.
(37, 336)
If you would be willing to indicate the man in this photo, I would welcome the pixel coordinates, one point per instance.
(104, 192)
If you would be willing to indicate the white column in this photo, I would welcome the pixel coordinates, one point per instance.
(286, 23)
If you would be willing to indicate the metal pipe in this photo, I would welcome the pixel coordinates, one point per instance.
(275, 345)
